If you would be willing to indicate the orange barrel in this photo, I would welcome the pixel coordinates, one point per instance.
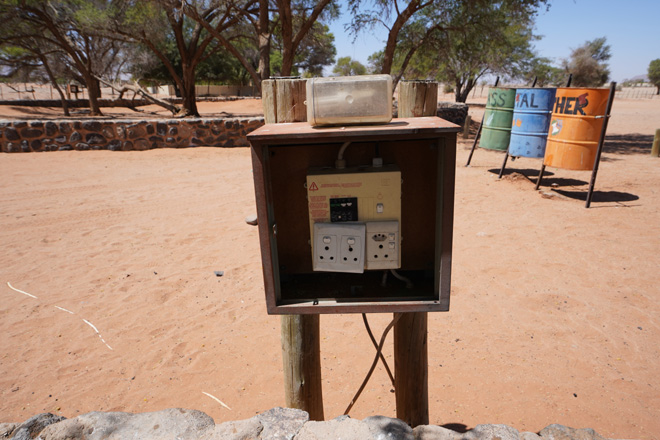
(496, 131)
(575, 127)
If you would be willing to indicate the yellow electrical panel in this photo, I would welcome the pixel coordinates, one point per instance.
(367, 195)
(354, 194)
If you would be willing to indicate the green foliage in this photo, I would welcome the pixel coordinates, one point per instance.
(375, 62)
(346, 66)
(316, 50)
(469, 40)
(545, 73)
(654, 73)
(588, 63)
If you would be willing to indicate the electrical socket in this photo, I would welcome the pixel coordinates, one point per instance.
(338, 247)
(383, 245)
(351, 251)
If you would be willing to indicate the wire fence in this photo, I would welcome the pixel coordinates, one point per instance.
(32, 91)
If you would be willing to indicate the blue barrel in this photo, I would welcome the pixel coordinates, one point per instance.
(532, 110)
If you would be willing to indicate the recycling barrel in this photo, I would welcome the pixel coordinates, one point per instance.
(575, 127)
(531, 117)
(496, 131)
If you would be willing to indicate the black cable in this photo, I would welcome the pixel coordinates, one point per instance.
(373, 340)
(373, 365)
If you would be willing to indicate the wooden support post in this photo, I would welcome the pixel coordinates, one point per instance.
(655, 150)
(269, 100)
(283, 101)
(411, 368)
(301, 359)
(291, 95)
(418, 99)
(466, 127)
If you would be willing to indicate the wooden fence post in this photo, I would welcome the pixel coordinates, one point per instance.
(301, 358)
(283, 101)
(655, 150)
(411, 368)
(418, 98)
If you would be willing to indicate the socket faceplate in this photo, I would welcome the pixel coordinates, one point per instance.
(339, 247)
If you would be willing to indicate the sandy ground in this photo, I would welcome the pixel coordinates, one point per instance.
(554, 307)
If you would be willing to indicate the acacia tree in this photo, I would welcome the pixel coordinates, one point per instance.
(346, 66)
(293, 29)
(454, 28)
(545, 73)
(499, 41)
(654, 74)
(152, 23)
(588, 63)
(369, 14)
(296, 20)
(52, 32)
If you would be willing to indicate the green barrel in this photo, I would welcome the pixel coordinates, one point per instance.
(496, 132)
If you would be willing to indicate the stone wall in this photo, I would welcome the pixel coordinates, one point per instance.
(124, 135)
(136, 134)
(274, 424)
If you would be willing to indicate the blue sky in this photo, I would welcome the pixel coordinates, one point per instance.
(632, 29)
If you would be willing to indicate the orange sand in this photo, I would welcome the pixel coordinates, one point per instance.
(554, 308)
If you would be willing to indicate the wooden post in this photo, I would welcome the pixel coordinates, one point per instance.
(466, 127)
(283, 101)
(291, 95)
(301, 359)
(418, 98)
(655, 150)
(411, 368)
(269, 101)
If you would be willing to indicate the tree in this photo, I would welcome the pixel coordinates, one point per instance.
(316, 50)
(654, 74)
(349, 67)
(296, 20)
(53, 33)
(154, 23)
(286, 35)
(456, 28)
(545, 73)
(588, 63)
(386, 13)
(460, 44)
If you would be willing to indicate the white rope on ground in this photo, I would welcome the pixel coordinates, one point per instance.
(217, 400)
(68, 311)
(20, 291)
(62, 308)
(97, 332)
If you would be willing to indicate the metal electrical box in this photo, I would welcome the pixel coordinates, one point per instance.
(357, 218)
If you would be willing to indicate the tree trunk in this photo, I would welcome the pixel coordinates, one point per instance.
(94, 92)
(53, 80)
(189, 107)
(264, 41)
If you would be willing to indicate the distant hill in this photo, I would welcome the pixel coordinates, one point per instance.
(644, 78)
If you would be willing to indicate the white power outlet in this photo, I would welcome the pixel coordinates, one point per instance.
(339, 247)
(383, 245)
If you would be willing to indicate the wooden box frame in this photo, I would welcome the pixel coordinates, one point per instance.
(425, 151)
